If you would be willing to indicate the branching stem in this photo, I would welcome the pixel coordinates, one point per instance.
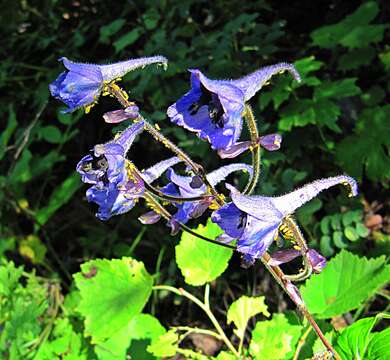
(205, 308)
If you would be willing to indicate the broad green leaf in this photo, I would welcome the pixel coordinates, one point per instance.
(358, 342)
(241, 310)
(111, 29)
(164, 345)
(297, 114)
(369, 147)
(112, 293)
(59, 197)
(329, 293)
(355, 58)
(337, 89)
(127, 39)
(338, 240)
(362, 36)
(361, 230)
(6, 134)
(274, 339)
(373, 96)
(141, 326)
(327, 113)
(51, 134)
(201, 262)
(331, 35)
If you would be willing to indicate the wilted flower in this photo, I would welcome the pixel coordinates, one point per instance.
(187, 186)
(213, 108)
(82, 83)
(255, 220)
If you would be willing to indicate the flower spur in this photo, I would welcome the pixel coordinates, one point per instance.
(255, 220)
(213, 109)
(81, 84)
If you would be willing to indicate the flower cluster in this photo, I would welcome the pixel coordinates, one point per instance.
(215, 111)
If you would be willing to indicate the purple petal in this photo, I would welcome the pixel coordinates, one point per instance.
(317, 261)
(117, 116)
(293, 291)
(230, 219)
(113, 71)
(252, 83)
(157, 170)
(127, 137)
(89, 71)
(220, 174)
(150, 217)
(234, 150)
(283, 256)
(271, 142)
(288, 203)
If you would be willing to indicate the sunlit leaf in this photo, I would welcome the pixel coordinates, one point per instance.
(112, 293)
(329, 293)
(200, 261)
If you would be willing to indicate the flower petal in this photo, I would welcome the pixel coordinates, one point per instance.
(271, 142)
(117, 116)
(288, 203)
(151, 217)
(252, 83)
(230, 219)
(157, 170)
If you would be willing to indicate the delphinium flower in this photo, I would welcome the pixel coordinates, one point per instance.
(254, 220)
(188, 186)
(81, 84)
(108, 170)
(213, 109)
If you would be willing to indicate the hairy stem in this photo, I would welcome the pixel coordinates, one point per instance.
(279, 276)
(198, 169)
(156, 206)
(252, 126)
(207, 311)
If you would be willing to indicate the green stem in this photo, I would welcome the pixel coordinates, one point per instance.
(198, 169)
(301, 342)
(206, 309)
(190, 330)
(156, 206)
(254, 133)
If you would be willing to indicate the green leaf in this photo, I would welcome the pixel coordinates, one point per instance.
(111, 29)
(140, 327)
(32, 248)
(384, 57)
(327, 113)
(329, 293)
(369, 147)
(356, 58)
(374, 96)
(51, 134)
(201, 262)
(58, 198)
(223, 355)
(274, 339)
(8, 131)
(361, 230)
(112, 293)
(126, 40)
(337, 89)
(338, 240)
(351, 234)
(331, 35)
(362, 36)
(165, 345)
(241, 310)
(357, 341)
(325, 245)
(297, 114)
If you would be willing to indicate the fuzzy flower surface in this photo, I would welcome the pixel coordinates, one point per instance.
(187, 186)
(213, 108)
(108, 171)
(255, 220)
(81, 84)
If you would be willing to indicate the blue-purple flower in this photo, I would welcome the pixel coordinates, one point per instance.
(187, 186)
(115, 199)
(213, 108)
(81, 84)
(255, 220)
(115, 189)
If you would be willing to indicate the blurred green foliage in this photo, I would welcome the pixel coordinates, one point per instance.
(336, 120)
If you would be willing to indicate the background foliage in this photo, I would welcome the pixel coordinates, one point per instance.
(335, 121)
